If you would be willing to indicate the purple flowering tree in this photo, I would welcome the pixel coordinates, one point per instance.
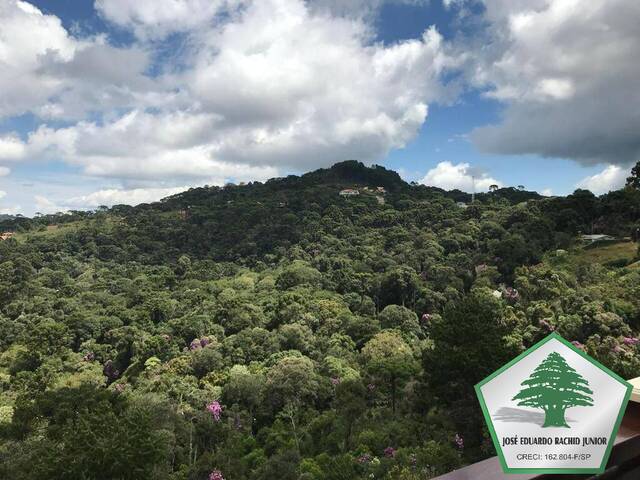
(216, 475)
(215, 409)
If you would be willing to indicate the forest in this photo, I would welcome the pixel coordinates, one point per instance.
(285, 330)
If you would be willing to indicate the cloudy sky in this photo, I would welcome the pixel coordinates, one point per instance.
(120, 101)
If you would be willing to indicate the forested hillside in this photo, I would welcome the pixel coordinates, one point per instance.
(283, 330)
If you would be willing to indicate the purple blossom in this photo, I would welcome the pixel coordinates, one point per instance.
(89, 357)
(426, 317)
(617, 349)
(204, 342)
(216, 475)
(335, 381)
(195, 344)
(371, 387)
(364, 459)
(459, 441)
(215, 409)
(630, 340)
(577, 344)
(110, 371)
(546, 325)
(389, 452)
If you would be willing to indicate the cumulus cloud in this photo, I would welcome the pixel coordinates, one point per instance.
(12, 210)
(461, 176)
(158, 18)
(46, 206)
(47, 71)
(153, 19)
(273, 86)
(116, 196)
(356, 8)
(566, 72)
(11, 147)
(612, 177)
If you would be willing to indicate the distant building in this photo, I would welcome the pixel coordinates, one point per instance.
(596, 238)
(380, 190)
(6, 235)
(349, 192)
(462, 205)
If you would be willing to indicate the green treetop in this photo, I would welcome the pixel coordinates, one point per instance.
(554, 386)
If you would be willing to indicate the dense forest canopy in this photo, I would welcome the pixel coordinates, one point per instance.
(283, 330)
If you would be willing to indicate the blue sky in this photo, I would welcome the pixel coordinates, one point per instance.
(126, 102)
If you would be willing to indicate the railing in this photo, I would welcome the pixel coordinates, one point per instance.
(624, 463)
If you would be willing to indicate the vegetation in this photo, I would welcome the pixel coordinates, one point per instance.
(279, 330)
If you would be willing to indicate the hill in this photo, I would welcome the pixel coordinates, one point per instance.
(280, 329)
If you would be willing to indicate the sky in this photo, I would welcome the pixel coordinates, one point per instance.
(113, 101)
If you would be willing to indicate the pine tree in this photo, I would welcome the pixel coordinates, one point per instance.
(554, 386)
(634, 180)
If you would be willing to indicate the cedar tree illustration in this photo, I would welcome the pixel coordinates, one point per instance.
(553, 387)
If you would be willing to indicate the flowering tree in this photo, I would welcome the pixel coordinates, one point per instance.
(215, 409)
(216, 475)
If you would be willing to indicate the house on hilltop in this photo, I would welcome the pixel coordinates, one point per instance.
(596, 238)
(6, 235)
(349, 192)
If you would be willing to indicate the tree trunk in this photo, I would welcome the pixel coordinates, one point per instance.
(554, 417)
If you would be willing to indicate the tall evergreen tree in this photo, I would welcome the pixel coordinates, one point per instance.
(634, 180)
(554, 386)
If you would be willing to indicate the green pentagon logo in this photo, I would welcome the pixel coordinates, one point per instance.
(553, 409)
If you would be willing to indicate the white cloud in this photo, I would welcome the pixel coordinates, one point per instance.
(6, 210)
(547, 192)
(46, 206)
(25, 37)
(11, 148)
(116, 196)
(274, 86)
(153, 19)
(565, 70)
(612, 177)
(47, 71)
(158, 18)
(356, 8)
(461, 176)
